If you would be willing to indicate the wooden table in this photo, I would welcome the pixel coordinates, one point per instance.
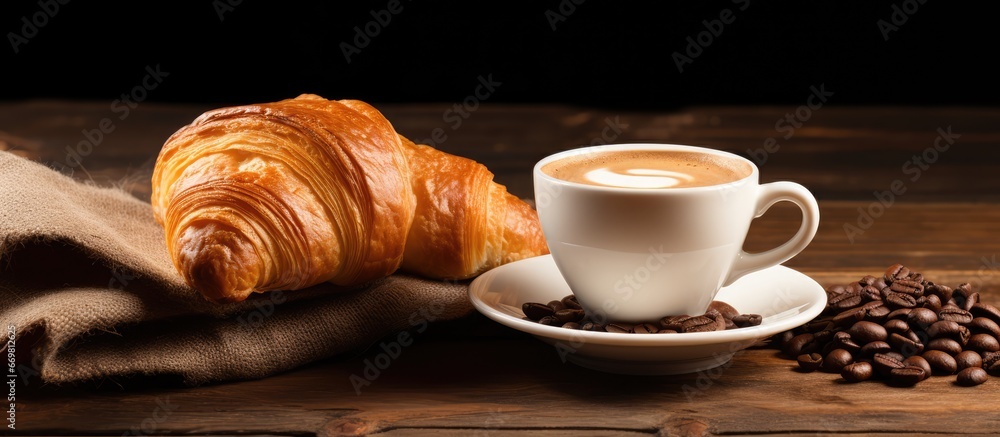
(473, 376)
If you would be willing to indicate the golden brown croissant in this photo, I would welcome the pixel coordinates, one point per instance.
(285, 195)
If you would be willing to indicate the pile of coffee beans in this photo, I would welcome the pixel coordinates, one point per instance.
(568, 313)
(899, 328)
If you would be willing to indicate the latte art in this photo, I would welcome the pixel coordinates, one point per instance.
(648, 169)
(638, 178)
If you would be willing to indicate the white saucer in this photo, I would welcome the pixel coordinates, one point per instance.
(784, 297)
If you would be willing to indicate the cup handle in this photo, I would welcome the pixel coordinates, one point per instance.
(768, 195)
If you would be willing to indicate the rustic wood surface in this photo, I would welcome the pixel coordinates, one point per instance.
(473, 376)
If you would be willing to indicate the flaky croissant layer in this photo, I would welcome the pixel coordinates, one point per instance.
(285, 195)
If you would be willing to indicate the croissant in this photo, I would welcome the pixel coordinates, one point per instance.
(286, 195)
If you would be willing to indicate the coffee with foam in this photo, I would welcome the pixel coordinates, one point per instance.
(648, 169)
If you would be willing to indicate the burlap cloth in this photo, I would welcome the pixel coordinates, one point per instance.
(86, 271)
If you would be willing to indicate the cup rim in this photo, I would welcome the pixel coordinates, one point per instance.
(538, 173)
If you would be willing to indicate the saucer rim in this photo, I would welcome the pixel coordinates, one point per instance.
(817, 302)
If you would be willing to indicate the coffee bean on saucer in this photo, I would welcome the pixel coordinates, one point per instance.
(723, 308)
(535, 311)
(557, 305)
(571, 325)
(971, 376)
(591, 326)
(569, 315)
(699, 324)
(857, 371)
(745, 320)
(570, 302)
(645, 328)
(618, 328)
(673, 322)
(550, 321)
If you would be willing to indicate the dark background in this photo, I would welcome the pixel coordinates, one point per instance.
(607, 54)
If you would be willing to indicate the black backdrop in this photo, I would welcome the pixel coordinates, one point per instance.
(598, 53)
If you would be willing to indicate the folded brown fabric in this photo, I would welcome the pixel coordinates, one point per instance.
(85, 270)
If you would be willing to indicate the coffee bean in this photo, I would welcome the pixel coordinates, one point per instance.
(844, 301)
(591, 326)
(931, 302)
(666, 331)
(720, 321)
(990, 359)
(909, 287)
(983, 343)
(896, 272)
(943, 292)
(849, 317)
(867, 280)
(535, 311)
(699, 324)
(919, 361)
(921, 317)
(949, 329)
(956, 315)
(875, 347)
(875, 311)
(571, 325)
(818, 325)
(899, 300)
(941, 362)
(843, 340)
(986, 310)
(556, 305)
(870, 294)
(800, 344)
(645, 328)
(971, 376)
(983, 325)
(895, 354)
(864, 332)
(900, 314)
(946, 345)
(723, 308)
(745, 320)
(905, 345)
(966, 359)
(810, 362)
(570, 302)
(779, 340)
(884, 363)
(550, 321)
(835, 361)
(896, 326)
(854, 287)
(618, 328)
(857, 371)
(673, 322)
(906, 376)
(971, 301)
(569, 315)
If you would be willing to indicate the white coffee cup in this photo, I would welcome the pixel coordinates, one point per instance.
(640, 254)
